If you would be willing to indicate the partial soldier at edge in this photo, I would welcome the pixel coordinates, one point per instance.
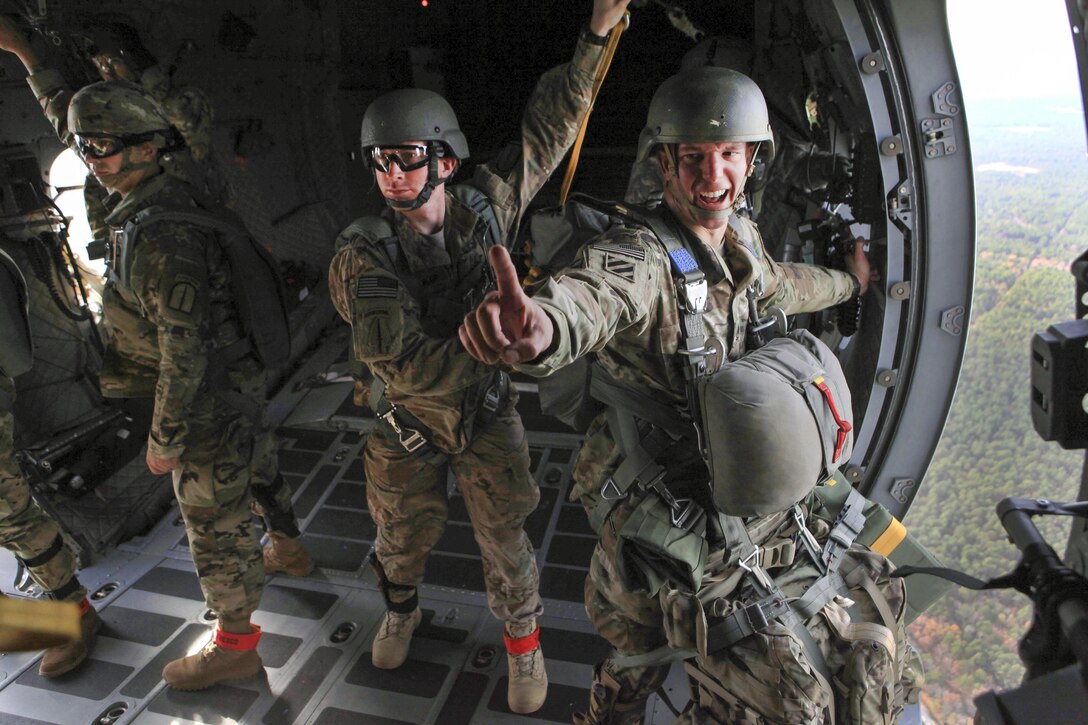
(29, 533)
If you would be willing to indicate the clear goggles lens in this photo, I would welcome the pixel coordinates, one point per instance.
(408, 158)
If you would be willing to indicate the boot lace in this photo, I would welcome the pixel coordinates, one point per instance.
(525, 665)
(394, 624)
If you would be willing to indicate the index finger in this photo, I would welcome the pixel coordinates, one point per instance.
(506, 276)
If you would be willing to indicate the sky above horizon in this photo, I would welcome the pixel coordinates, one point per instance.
(1003, 51)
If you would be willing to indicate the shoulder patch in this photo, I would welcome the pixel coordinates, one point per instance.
(629, 250)
(182, 297)
(620, 266)
(373, 287)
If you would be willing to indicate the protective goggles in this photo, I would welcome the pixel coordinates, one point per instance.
(103, 145)
(408, 158)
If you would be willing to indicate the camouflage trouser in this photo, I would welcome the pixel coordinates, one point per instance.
(212, 488)
(631, 621)
(26, 530)
(406, 494)
(271, 493)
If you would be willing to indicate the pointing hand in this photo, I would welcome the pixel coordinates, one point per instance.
(507, 325)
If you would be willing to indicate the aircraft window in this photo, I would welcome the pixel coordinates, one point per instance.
(67, 176)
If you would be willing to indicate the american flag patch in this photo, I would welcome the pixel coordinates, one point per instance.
(375, 287)
(629, 250)
(620, 267)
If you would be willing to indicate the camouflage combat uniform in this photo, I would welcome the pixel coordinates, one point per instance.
(617, 300)
(130, 366)
(412, 345)
(180, 282)
(26, 530)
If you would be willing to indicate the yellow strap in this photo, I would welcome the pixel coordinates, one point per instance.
(891, 538)
(598, 81)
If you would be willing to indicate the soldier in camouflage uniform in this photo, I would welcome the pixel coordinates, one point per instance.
(130, 369)
(177, 276)
(404, 282)
(25, 530)
(119, 55)
(618, 300)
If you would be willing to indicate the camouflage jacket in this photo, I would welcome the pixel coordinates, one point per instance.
(618, 300)
(424, 366)
(180, 284)
(187, 108)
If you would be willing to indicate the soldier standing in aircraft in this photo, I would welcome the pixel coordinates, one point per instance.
(619, 300)
(404, 282)
(25, 530)
(129, 369)
(176, 274)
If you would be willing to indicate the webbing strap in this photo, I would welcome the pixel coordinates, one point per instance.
(412, 435)
(858, 576)
(773, 604)
(845, 529)
(598, 81)
(54, 548)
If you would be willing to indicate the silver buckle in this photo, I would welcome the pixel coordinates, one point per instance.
(755, 569)
(695, 296)
(606, 495)
(807, 539)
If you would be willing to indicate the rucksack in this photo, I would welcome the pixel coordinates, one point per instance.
(257, 285)
(17, 346)
(555, 236)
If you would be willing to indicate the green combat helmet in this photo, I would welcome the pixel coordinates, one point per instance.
(122, 109)
(706, 105)
(414, 114)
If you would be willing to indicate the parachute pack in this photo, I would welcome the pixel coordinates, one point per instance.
(258, 287)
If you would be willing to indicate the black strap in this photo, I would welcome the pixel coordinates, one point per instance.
(1008, 581)
(54, 548)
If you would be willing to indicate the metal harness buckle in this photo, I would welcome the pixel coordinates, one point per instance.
(410, 438)
(755, 569)
(808, 541)
(609, 486)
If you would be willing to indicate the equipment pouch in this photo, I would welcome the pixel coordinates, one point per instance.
(652, 550)
(884, 534)
(683, 618)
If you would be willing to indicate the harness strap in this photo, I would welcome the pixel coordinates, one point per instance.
(412, 435)
(858, 576)
(844, 530)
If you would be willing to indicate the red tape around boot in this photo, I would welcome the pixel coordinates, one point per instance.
(238, 642)
(84, 606)
(521, 645)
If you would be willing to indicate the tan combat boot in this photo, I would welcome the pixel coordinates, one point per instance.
(66, 657)
(227, 657)
(528, 686)
(390, 647)
(285, 554)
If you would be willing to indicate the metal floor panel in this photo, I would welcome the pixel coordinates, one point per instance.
(318, 630)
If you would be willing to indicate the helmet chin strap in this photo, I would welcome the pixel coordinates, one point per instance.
(433, 180)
